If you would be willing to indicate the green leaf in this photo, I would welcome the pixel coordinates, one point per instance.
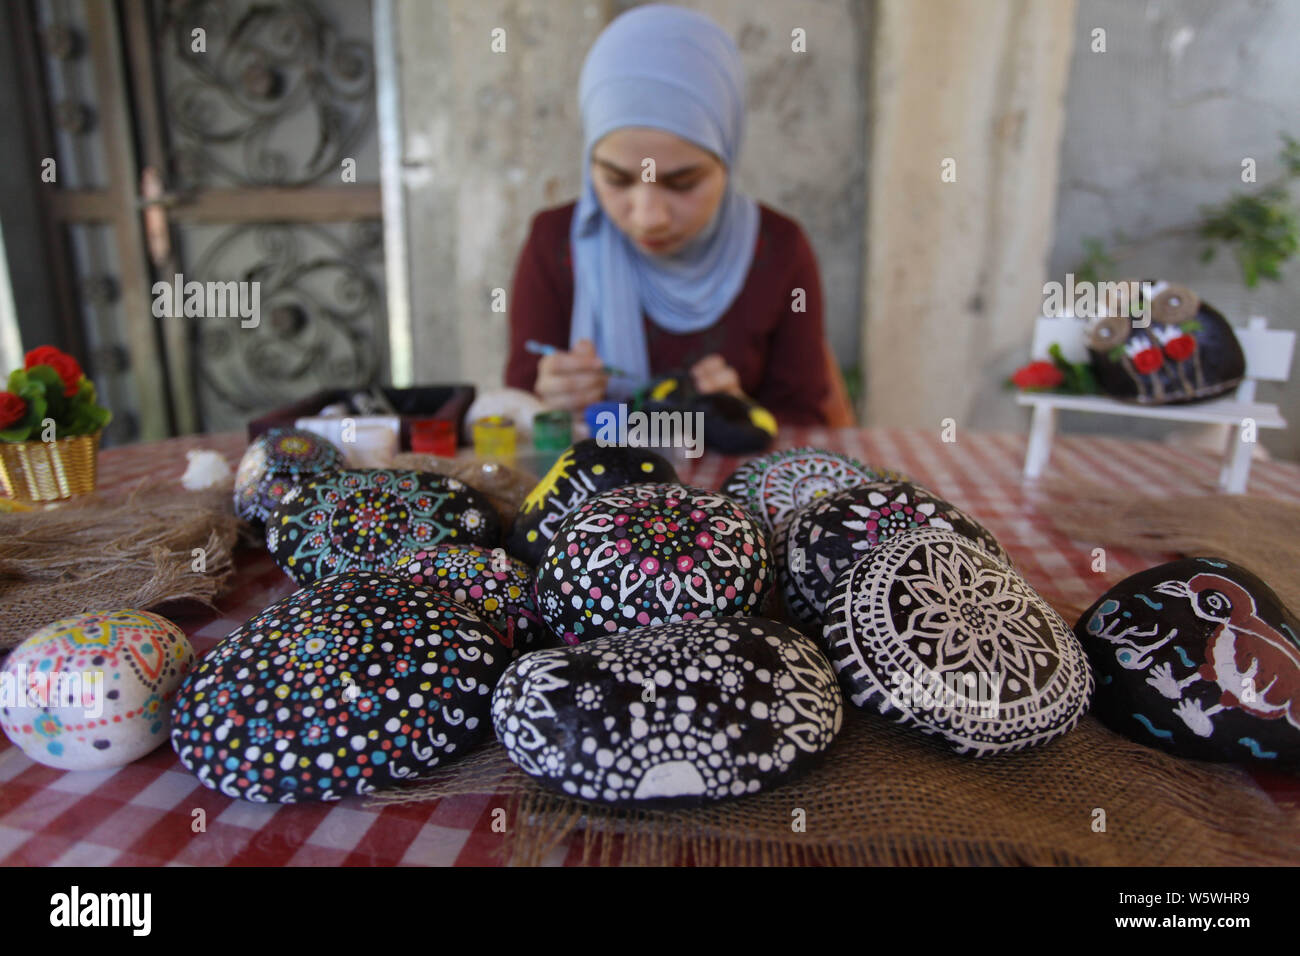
(852, 375)
(57, 406)
(31, 422)
(1290, 155)
(46, 374)
(1095, 262)
(1249, 272)
(1262, 229)
(1079, 379)
(85, 420)
(29, 391)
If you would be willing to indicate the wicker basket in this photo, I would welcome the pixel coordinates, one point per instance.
(49, 471)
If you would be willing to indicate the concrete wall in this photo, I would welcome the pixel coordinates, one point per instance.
(1157, 126)
(490, 138)
(955, 264)
(806, 141)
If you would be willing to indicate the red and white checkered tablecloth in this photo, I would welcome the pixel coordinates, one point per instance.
(145, 813)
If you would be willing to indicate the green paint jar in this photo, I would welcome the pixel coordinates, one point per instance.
(552, 430)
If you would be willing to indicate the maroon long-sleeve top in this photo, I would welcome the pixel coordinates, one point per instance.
(771, 335)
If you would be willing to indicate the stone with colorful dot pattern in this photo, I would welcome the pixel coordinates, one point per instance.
(585, 469)
(677, 715)
(929, 629)
(92, 692)
(1200, 658)
(650, 554)
(365, 519)
(354, 683)
(495, 586)
(275, 462)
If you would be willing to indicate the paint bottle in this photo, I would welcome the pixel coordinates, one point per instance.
(434, 436)
(494, 438)
(592, 414)
(552, 435)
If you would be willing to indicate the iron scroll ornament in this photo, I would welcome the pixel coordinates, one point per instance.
(260, 72)
(321, 313)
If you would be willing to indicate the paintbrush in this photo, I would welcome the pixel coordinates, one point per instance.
(541, 348)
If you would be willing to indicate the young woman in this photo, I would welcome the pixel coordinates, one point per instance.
(662, 264)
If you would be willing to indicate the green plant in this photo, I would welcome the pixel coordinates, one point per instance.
(1260, 226)
(852, 382)
(1096, 263)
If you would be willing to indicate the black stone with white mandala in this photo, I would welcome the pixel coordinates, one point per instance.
(931, 630)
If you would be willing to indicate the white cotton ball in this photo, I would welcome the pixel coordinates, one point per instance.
(206, 468)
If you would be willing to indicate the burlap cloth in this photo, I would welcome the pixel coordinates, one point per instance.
(887, 795)
(1261, 534)
(133, 548)
(101, 553)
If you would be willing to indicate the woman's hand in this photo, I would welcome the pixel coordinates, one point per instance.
(571, 380)
(713, 374)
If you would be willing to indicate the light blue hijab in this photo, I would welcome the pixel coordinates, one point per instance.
(675, 70)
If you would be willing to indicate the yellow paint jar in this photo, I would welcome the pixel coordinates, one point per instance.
(494, 437)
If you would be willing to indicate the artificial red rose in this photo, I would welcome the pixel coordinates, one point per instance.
(42, 355)
(1180, 348)
(62, 363)
(1038, 375)
(1147, 361)
(12, 409)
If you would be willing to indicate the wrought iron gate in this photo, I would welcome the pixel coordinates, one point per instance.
(218, 140)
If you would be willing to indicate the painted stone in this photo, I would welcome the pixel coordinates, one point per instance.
(773, 486)
(828, 534)
(739, 704)
(1188, 352)
(930, 629)
(1200, 658)
(489, 582)
(92, 692)
(586, 469)
(733, 424)
(348, 685)
(365, 519)
(276, 461)
(652, 554)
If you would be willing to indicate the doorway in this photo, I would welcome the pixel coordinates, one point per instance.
(216, 140)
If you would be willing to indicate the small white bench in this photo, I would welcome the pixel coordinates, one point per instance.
(1268, 358)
